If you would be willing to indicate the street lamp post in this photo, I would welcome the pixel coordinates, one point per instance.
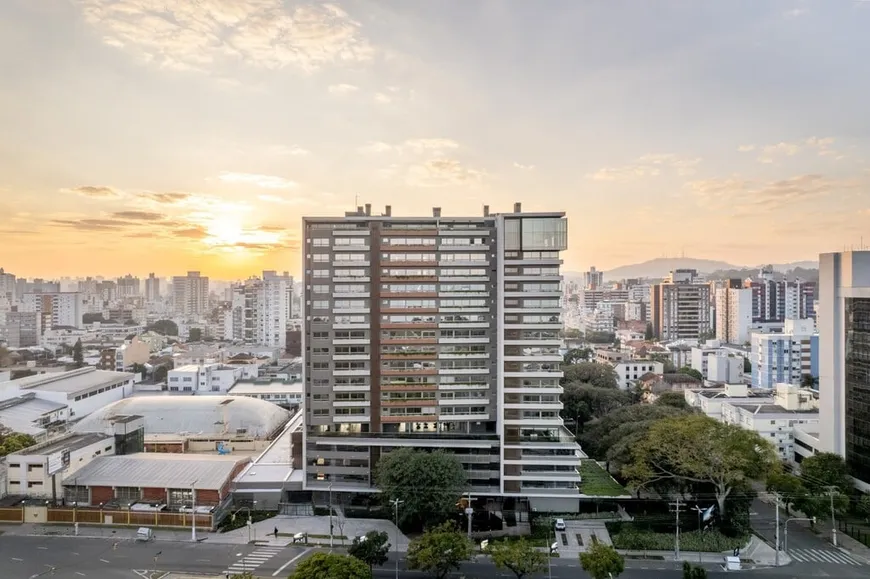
(396, 503)
(193, 511)
(787, 521)
(330, 517)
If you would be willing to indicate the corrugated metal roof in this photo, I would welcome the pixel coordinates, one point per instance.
(193, 415)
(19, 417)
(71, 382)
(150, 470)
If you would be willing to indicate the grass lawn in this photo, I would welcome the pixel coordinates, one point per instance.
(597, 482)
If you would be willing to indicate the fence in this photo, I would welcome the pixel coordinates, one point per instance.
(91, 516)
(861, 535)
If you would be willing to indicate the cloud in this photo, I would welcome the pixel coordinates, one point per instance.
(524, 167)
(752, 197)
(414, 146)
(264, 181)
(138, 215)
(94, 192)
(191, 233)
(284, 200)
(746, 148)
(92, 224)
(795, 12)
(822, 146)
(292, 151)
(647, 166)
(202, 34)
(342, 88)
(383, 98)
(441, 172)
(167, 198)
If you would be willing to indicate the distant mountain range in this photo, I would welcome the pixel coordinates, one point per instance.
(660, 267)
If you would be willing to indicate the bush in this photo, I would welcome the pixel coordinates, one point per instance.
(241, 520)
(709, 541)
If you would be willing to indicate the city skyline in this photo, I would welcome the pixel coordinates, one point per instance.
(707, 129)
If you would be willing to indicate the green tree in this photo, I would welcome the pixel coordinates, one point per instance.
(139, 369)
(673, 399)
(666, 362)
(520, 557)
(4, 356)
(244, 575)
(331, 566)
(825, 469)
(600, 337)
(809, 381)
(599, 375)
(696, 449)
(602, 561)
(439, 551)
(819, 505)
(14, 442)
(582, 402)
(372, 549)
(90, 318)
(862, 506)
(428, 483)
(78, 356)
(194, 335)
(160, 373)
(692, 572)
(691, 372)
(600, 435)
(789, 487)
(650, 333)
(575, 355)
(164, 327)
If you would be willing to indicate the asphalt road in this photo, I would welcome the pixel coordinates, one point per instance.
(81, 558)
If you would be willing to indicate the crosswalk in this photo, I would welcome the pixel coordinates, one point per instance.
(822, 556)
(254, 559)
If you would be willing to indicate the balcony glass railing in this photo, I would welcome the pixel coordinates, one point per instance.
(417, 435)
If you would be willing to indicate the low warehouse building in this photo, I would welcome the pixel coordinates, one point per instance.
(161, 480)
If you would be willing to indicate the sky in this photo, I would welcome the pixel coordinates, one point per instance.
(173, 135)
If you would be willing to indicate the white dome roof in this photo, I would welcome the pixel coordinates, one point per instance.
(193, 415)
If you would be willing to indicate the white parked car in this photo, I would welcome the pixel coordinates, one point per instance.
(560, 524)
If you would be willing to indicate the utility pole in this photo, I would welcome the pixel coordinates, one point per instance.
(778, 499)
(469, 510)
(832, 490)
(193, 511)
(330, 516)
(396, 503)
(677, 506)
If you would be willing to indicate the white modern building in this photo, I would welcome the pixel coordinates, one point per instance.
(280, 392)
(785, 358)
(203, 378)
(260, 310)
(55, 309)
(724, 367)
(844, 358)
(628, 371)
(83, 390)
(733, 315)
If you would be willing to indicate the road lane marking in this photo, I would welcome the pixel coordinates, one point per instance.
(104, 561)
(291, 561)
(17, 559)
(80, 573)
(43, 548)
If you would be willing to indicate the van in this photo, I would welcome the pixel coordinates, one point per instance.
(560, 524)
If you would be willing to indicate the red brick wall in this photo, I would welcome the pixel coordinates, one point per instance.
(154, 495)
(228, 484)
(166, 447)
(102, 495)
(207, 497)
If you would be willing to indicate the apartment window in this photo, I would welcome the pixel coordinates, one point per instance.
(463, 257)
(352, 365)
(394, 257)
(350, 257)
(463, 241)
(350, 273)
(320, 273)
(408, 334)
(320, 257)
(408, 288)
(320, 305)
(350, 350)
(407, 365)
(350, 335)
(463, 287)
(456, 318)
(351, 289)
(320, 351)
(410, 240)
(351, 411)
(320, 365)
(320, 289)
(469, 272)
(460, 303)
(320, 397)
(546, 319)
(399, 319)
(350, 319)
(320, 335)
(320, 242)
(320, 319)
(409, 304)
(320, 382)
(409, 272)
(540, 271)
(541, 303)
(352, 241)
(350, 396)
(320, 412)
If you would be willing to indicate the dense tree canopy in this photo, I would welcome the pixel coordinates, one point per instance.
(673, 399)
(194, 335)
(576, 355)
(78, 355)
(372, 549)
(521, 557)
(825, 469)
(602, 561)
(696, 449)
(164, 327)
(602, 434)
(331, 566)
(428, 483)
(14, 442)
(583, 402)
(598, 375)
(439, 551)
(691, 372)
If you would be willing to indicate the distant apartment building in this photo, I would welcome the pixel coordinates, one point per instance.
(776, 300)
(844, 360)
(133, 351)
(785, 358)
(593, 279)
(203, 378)
(7, 285)
(589, 299)
(259, 310)
(152, 288)
(681, 307)
(19, 329)
(628, 372)
(128, 286)
(437, 332)
(55, 309)
(733, 314)
(190, 294)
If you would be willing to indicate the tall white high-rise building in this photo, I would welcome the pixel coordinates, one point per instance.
(7, 285)
(152, 288)
(593, 279)
(57, 309)
(190, 294)
(844, 358)
(259, 310)
(733, 315)
(437, 332)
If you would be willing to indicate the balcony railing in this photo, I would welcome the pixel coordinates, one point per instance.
(411, 435)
